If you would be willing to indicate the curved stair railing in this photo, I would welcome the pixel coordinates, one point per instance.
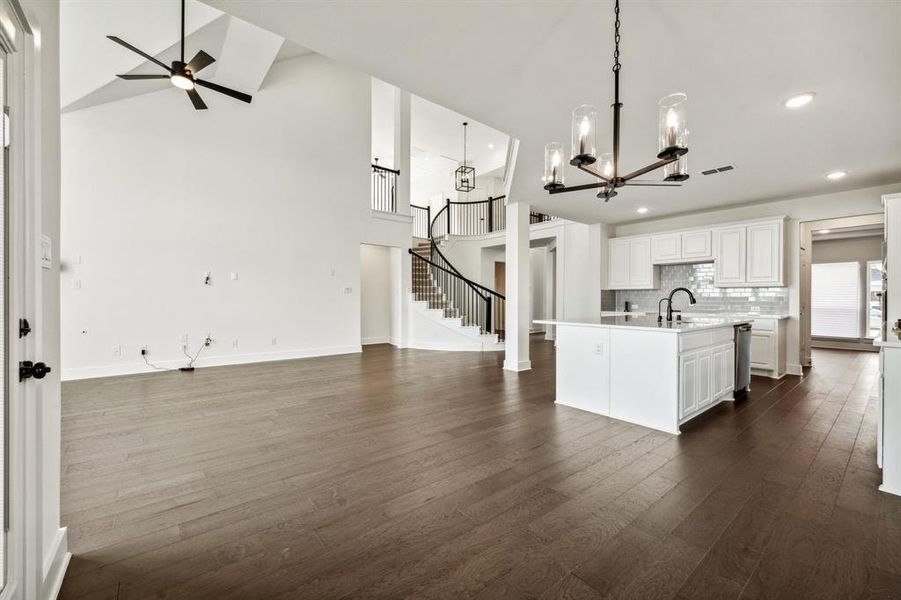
(438, 281)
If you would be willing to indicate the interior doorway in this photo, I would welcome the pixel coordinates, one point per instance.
(841, 283)
(381, 294)
(500, 277)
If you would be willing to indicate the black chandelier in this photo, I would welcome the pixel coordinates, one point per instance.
(673, 144)
(464, 176)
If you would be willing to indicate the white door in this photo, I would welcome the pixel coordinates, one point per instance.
(640, 267)
(31, 565)
(618, 271)
(730, 256)
(764, 256)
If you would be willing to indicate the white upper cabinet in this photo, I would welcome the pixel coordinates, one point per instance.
(765, 254)
(629, 265)
(682, 247)
(641, 269)
(666, 248)
(618, 264)
(750, 255)
(731, 253)
(697, 245)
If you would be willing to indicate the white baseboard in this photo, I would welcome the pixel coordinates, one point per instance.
(384, 339)
(794, 369)
(205, 361)
(55, 563)
(889, 490)
(522, 365)
(474, 347)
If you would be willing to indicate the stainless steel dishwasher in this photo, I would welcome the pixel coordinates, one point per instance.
(742, 360)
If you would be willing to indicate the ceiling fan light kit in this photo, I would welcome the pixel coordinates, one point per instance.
(181, 74)
(672, 145)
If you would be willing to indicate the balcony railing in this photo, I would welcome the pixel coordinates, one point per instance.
(421, 220)
(384, 189)
(479, 217)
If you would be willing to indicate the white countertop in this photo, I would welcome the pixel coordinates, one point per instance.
(649, 323)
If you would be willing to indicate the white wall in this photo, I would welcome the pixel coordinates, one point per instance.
(156, 194)
(375, 294)
(811, 208)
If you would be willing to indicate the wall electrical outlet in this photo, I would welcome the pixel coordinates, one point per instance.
(599, 348)
(234, 343)
(76, 284)
(274, 341)
(348, 290)
(117, 350)
(234, 276)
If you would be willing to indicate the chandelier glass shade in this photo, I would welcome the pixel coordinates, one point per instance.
(585, 134)
(553, 165)
(673, 121)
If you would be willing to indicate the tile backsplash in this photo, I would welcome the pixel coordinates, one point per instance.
(699, 279)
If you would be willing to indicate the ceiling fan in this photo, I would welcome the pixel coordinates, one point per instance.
(181, 74)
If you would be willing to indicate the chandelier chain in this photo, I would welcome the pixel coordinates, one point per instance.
(616, 37)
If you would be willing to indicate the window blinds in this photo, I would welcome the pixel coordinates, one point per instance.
(835, 300)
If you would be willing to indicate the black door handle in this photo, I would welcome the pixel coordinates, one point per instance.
(28, 369)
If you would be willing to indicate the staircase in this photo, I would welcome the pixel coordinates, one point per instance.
(424, 287)
(443, 292)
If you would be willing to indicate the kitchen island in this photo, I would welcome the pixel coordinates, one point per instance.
(635, 369)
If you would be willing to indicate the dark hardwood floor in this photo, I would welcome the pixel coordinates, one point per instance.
(405, 473)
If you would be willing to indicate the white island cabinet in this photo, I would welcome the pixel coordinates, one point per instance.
(636, 370)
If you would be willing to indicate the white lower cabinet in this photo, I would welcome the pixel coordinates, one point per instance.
(706, 376)
(688, 384)
(763, 350)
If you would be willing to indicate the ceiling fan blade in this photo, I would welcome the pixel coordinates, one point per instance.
(224, 90)
(196, 100)
(142, 76)
(122, 42)
(200, 61)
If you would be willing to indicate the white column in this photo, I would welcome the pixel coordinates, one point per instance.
(517, 288)
(402, 164)
(402, 148)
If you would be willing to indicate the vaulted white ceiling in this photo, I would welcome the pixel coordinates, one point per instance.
(89, 62)
(521, 66)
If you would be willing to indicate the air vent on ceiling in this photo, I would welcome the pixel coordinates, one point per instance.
(722, 169)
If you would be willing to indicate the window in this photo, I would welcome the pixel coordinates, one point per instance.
(874, 298)
(836, 300)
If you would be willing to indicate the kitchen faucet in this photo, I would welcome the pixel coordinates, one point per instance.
(669, 304)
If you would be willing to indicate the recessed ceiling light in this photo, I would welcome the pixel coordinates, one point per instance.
(836, 175)
(824, 231)
(642, 210)
(491, 146)
(799, 100)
